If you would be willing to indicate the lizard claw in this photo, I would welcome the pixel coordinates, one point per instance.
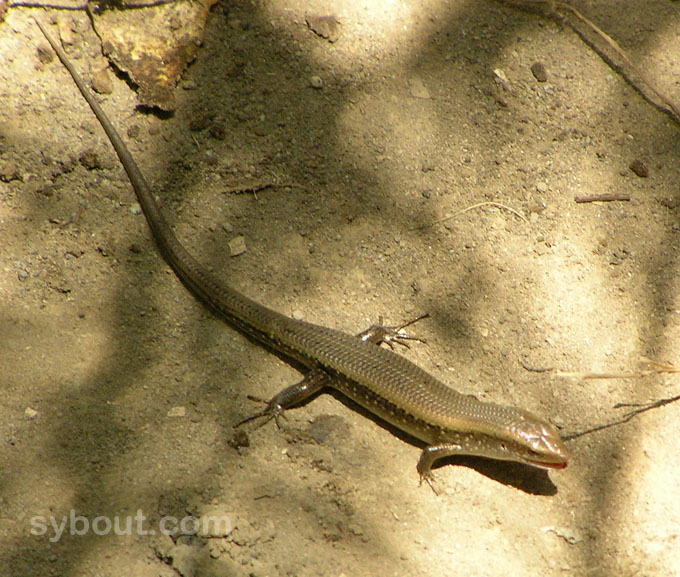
(392, 335)
(428, 477)
(273, 410)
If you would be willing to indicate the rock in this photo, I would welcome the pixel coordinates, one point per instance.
(500, 77)
(101, 80)
(9, 171)
(45, 53)
(639, 168)
(90, 160)
(539, 70)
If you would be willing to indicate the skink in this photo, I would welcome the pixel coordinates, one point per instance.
(382, 381)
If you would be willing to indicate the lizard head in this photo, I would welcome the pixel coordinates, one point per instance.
(536, 442)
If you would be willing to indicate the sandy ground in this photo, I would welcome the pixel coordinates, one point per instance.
(120, 390)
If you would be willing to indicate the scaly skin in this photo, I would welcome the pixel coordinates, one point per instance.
(380, 380)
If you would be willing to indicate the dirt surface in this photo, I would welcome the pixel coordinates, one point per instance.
(120, 390)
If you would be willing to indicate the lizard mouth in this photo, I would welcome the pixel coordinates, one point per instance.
(562, 464)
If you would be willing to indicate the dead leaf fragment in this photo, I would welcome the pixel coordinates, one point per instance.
(66, 31)
(326, 26)
(154, 45)
(237, 245)
(418, 89)
(178, 411)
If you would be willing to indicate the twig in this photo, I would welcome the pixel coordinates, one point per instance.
(252, 187)
(533, 369)
(86, 5)
(642, 407)
(670, 106)
(658, 369)
(661, 367)
(627, 417)
(48, 5)
(606, 197)
(553, 9)
(450, 216)
(591, 376)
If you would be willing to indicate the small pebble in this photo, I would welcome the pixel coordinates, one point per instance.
(239, 440)
(45, 53)
(639, 168)
(101, 79)
(316, 82)
(201, 122)
(218, 130)
(133, 131)
(9, 171)
(500, 76)
(90, 160)
(536, 206)
(539, 70)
